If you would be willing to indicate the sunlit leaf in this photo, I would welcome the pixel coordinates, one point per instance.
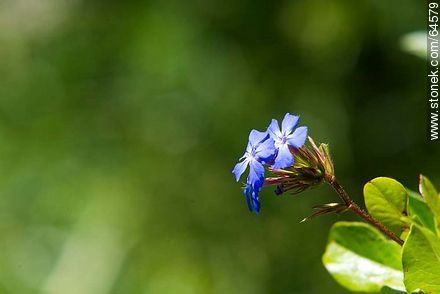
(386, 200)
(360, 258)
(421, 261)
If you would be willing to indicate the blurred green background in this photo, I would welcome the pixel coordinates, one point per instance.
(120, 123)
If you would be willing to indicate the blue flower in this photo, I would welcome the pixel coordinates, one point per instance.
(289, 135)
(272, 147)
(259, 151)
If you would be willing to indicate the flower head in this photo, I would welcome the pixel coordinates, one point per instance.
(275, 149)
(288, 136)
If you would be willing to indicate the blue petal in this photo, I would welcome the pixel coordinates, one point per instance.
(247, 192)
(240, 168)
(298, 138)
(251, 192)
(255, 195)
(256, 137)
(255, 181)
(266, 150)
(274, 129)
(248, 148)
(256, 172)
(255, 201)
(289, 123)
(284, 157)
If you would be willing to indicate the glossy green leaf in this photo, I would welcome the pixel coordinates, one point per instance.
(419, 211)
(360, 258)
(421, 261)
(386, 200)
(431, 197)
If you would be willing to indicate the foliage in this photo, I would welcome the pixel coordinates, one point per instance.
(421, 260)
(363, 260)
(386, 200)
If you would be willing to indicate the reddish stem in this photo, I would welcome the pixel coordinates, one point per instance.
(360, 212)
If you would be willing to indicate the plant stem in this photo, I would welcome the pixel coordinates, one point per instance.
(360, 212)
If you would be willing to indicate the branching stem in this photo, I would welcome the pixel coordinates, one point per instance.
(360, 212)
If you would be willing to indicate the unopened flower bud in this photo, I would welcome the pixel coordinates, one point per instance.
(312, 165)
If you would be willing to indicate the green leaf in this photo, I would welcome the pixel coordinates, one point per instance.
(431, 197)
(360, 258)
(421, 261)
(419, 211)
(386, 200)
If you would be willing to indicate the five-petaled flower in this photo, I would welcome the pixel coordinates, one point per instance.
(272, 147)
(289, 135)
(260, 150)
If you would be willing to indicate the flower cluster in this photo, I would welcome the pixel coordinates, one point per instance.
(275, 149)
